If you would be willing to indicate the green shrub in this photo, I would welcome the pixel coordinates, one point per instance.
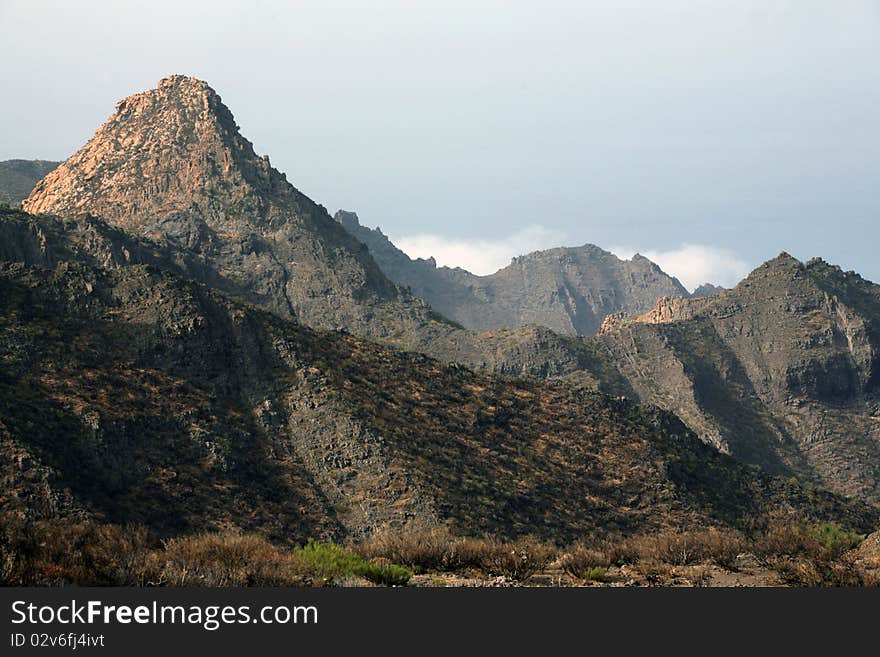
(833, 539)
(387, 574)
(327, 560)
(331, 563)
(824, 541)
(594, 574)
(812, 555)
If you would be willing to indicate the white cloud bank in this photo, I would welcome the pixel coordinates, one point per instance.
(695, 264)
(478, 256)
(692, 264)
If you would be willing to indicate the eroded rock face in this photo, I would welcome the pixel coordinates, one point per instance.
(669, 310)
(171, 170)
(174, 149)
(171, 165)
(134, 395)
(569, 290)
(781, 371)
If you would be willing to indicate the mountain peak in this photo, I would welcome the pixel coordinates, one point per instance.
(171, 165)
(784, 259)
(172, 150)
(783, 263)
(179, 80)
(706, 290)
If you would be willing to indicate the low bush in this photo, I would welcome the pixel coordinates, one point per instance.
(833, 539)
(812, 555)
(436, 549)
(585, 562)
(683, 548)
(723, 547)
(783, 540)
(823, 541)
(223, 559)
(518, 560)
(429, 549)
(63, 552)
(656, 573)
(387, 574)
(66, 552)
(594, 574)
(331, 563)
(806, 572)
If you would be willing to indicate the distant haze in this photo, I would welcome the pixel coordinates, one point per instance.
(709, 135)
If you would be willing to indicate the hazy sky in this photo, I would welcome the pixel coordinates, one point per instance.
(708, 134)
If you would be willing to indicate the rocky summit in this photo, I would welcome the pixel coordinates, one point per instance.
(170, 169)
(783, 370)
(569, 290)
(170, 165)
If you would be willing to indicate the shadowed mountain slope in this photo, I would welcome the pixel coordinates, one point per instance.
(780, 371)
(783, 370)
(132, 395)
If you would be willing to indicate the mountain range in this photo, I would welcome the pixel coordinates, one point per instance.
(782, 371)
(134, 395)
(191, 343)
(569, 290)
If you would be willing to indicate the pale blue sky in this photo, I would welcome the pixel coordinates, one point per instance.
(749, 127)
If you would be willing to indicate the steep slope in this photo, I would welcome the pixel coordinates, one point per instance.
(132, 395)
(171, 165)
(45, 241)
(181, 188)
(18, 177)
(781, 370)
(569, 290)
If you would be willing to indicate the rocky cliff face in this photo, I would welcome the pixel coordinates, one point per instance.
(170, 165)
(132, 395)
(18, 177)
(781, 370)
(569, 290)
(46, 241)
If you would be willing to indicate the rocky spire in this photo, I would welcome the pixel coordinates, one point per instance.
(170, 164)
(174, 149)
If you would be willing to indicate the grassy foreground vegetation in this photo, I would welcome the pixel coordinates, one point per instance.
(63, 552)
(59, 553)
